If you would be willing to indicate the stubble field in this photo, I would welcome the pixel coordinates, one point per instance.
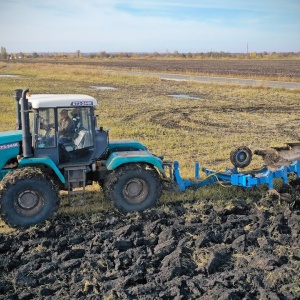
(212, 243)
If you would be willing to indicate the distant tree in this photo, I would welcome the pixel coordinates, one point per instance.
(103, 54)
(35, 55)
(274, 54)
(155, 54)
(3, 54)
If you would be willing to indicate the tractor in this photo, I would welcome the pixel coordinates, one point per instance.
(35, 163)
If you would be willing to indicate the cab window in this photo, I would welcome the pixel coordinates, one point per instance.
(83, 127)
(45, 128)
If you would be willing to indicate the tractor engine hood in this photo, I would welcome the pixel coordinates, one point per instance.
(10, 137)
(10, 142)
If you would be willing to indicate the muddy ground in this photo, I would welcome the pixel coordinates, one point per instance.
(179, 251)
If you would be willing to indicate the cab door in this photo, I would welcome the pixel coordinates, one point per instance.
(45, 134)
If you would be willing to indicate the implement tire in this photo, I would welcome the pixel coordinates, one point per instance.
(27, 197)
(241, 157)
(133, 187)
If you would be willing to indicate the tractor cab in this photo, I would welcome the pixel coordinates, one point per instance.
(63, 128)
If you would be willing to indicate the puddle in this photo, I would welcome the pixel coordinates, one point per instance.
(183, 96)
(8, 76)
(103, 88)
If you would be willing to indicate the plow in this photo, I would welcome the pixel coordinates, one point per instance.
(279, 162)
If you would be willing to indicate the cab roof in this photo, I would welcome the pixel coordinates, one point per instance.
(60, 100)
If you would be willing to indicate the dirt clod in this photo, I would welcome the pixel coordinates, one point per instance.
(244, 252)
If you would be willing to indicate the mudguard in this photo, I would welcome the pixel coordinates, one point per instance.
(125, 145)
(117, 159)
(24, 162)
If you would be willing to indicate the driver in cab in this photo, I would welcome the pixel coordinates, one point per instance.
(66, 127)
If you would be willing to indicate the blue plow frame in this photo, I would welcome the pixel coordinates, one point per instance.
(233, 177)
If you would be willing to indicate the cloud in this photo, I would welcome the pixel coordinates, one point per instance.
(149, 25)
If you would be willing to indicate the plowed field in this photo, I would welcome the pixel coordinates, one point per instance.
(240, 68)
(270, 68)
(233, 252)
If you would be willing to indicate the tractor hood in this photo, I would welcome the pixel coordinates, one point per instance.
(9, 148)
(8, 137)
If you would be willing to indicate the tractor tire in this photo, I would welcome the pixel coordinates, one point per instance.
(27, 197)
(133, 187)
(241, 157)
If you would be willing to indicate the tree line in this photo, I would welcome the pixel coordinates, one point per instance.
(176, 54)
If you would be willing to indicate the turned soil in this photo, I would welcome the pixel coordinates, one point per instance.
(276, 68)
(245, 68)
(183, 251)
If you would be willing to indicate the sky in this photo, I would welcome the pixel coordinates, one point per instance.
(150, 25)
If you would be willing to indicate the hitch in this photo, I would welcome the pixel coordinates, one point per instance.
(212, 177)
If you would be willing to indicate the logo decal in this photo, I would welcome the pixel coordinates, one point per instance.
(9, 146)
(81, 103)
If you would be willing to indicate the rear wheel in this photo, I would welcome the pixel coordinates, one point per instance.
(241, 157)
(27, 197)
(133, 187)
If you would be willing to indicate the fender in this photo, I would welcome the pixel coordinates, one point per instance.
(125, 145)
(24, 162)
(117, 159)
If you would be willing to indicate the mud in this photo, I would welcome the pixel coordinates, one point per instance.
(280, 156)
(240, 251)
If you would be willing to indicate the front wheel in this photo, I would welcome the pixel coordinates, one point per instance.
(133, 187)
(27, 197)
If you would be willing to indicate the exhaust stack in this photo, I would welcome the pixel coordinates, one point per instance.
(26, 140)
(17, 96)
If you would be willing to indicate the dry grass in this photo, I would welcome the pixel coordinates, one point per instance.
(180, 129)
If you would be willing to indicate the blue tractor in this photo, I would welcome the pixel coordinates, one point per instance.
(36, 163)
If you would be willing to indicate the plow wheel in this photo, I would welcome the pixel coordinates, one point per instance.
(241, 157)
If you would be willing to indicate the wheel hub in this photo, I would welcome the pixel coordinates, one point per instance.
(28, 200)
(241, 156)
(135, 191)
(134, 188)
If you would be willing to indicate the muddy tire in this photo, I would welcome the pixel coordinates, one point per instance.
(27, 197)
(241, 157)
(133, 187)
